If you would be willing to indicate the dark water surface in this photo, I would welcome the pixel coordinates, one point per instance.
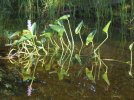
(48, 87)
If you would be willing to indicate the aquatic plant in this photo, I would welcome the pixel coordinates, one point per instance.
(56, 44)
(96, 56)
(131, 58)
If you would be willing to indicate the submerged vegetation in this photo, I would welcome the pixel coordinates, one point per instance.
(57, 33)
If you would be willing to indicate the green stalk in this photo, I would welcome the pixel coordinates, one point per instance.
(72, 43)
(101, 43)
(81, 44)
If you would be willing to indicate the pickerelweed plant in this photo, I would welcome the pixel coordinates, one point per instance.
(56, 44)
(97, 61)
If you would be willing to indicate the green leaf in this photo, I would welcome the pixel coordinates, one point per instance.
(62, 73)
(130, 73)
(89, 74)
(39, 42)
(64, 17)
(33, 31)
(105, 77)
(78, 28)
(15, 35)
(90, 37)
(48, 67)
(105, 29)
(59, 22)
(47, 33)
(26, 74)
(77, 57)
(27, 77)
(131, 46)
(24, 38)
(58, 29)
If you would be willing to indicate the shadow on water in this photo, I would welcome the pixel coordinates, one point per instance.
(48, 87)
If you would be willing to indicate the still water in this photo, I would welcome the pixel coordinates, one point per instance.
(48, 87)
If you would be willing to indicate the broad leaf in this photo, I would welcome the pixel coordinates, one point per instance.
(24, 38)
(131, 46)
(105, 29)
(89, 74)
(62, 73)
(64, 17)
(90, 37)
(33, 31)
(105, 77)
(47, 33)
(78, 28)
(15, 35)
(26, 74)
(58, 29)
(48, 67)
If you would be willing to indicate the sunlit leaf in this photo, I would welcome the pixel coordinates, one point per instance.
(90, 37)
(58, 29)
(25, 32)
(62, 73)
(131, 46)
(77, 57)
(89, 74)
(64, 17)
(78, 28)
(105, 77)
(33, 31)
(26, 37)
(130, 73)
(105, 29)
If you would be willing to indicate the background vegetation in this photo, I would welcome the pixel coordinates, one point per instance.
(15, 13)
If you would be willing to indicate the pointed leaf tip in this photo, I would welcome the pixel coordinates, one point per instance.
(105, 29)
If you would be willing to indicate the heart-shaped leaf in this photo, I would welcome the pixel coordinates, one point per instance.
(78, 28)
(90, 37)
(131, 46)
(24, 38)
(62, 73)
(105, 29)
(64, 17)
(130, 73)
(89, 74)
(105, 77)
(15, 35)
(58, 29)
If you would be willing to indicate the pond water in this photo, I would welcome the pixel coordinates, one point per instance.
(48, 87)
